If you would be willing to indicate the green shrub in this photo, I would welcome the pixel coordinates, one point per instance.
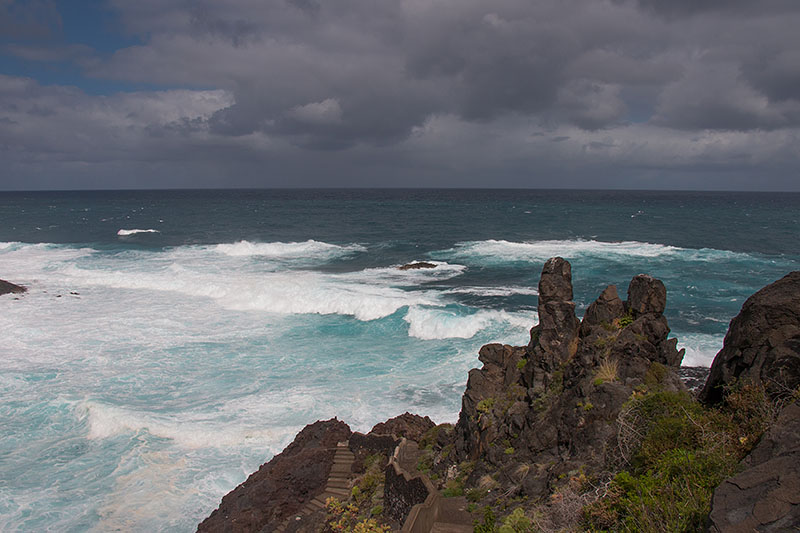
(521, 363)
(516, 522)
(489, 522)
(626, 319)
(685, 451)
(485, 405)
(455, 487)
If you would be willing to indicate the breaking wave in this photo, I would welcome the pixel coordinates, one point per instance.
(127, 232)
(430, 324)
(286, 250)
(502, 250)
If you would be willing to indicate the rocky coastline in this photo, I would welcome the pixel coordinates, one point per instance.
(592, 425)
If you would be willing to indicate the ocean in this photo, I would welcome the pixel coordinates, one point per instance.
(173, 341)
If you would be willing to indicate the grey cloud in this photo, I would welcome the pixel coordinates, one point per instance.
(28, 19)
(453, 87)
(717, 97)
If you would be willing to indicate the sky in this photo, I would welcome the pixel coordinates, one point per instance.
(599, 94)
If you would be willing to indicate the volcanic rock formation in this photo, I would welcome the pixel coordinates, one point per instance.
(762, 343)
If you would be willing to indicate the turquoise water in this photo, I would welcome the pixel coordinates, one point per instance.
(207, 327)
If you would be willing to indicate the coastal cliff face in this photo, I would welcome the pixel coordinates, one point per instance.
(554, 403)
(589, 424)
(282, 486)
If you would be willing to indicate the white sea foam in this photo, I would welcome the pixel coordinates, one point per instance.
(501, 250)
(298, 292)
(493, 291)
(286, 250)
(106, 421)
(542, 250)
(429, 324)
(700, 348)
(127, 232)
(394, 275)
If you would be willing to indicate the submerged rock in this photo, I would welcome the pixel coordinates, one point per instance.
(417, 265)
(6, 287)
(762, 344)
(765, 496)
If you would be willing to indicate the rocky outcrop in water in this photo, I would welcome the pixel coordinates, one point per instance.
(765, 496)
(416, 266)
(762, 343)
(553, 403)
(282, 486)
(6, 287)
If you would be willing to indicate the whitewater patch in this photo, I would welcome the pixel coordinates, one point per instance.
(287, 250)
(431, 324)
(105, 421)
(503, 251)
(393, 274)
(700, 348)
(299, 292)
(493, 291)
(128, 232)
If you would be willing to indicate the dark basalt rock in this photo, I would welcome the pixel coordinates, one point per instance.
(412, 427)
(553, 403)
(416, 266)
(646, 295)
(6, 287)
(282, 486)
(766, 495)
(604, 311)
(762, 343)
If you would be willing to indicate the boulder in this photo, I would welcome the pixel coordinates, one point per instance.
(765, 496)
(6, 287)
(412, 427)
(282, 486)
(762, 344)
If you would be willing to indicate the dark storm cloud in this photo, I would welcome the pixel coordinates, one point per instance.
(460, 88)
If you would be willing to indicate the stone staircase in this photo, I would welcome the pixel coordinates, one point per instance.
(338, 485)
(453, 517)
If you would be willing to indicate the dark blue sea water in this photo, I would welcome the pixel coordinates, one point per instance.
(172, 341)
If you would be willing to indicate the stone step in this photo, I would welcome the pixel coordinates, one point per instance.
(337, 491)
(445, 527)
(339, 482)
(341, 469)
(316, 502)
(343, 457)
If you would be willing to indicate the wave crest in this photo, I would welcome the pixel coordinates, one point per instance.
(286, 250)
(128, 232)
(432, 324)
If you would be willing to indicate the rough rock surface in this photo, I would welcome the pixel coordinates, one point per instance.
(406, 425)
(766, 495)
(534, 413)
(762, 343)
(283, 485)
(6, 287)
(417, 265)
